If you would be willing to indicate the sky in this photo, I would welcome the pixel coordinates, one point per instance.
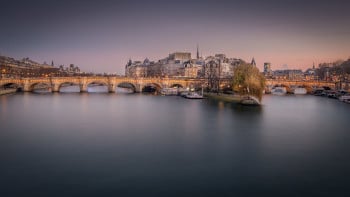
(101, 36)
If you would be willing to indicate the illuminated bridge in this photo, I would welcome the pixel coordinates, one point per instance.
(138, 84)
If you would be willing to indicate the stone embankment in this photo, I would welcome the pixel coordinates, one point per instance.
(7, 91)
(224, 97)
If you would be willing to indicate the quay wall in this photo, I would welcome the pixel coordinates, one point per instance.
(7, 91)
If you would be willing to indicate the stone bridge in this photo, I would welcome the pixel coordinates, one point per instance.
(137, 84)
(55, 83)
(308, 85)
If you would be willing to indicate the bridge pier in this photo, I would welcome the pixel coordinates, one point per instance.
(56, 87)
(138, 88)
(111, 88)
(26, 88)
(83, 87)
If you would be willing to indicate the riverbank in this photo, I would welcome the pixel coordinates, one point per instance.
(244, 100)
(7, 91)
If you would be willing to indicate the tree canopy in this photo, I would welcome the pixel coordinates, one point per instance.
(247, 80)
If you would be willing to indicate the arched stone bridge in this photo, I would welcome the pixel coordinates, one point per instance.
(55, 83)
(309, 85)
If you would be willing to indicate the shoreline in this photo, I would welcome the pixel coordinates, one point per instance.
(236, 99)
(224, 97)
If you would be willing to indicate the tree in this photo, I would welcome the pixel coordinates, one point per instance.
(212, 72)
(247, 80)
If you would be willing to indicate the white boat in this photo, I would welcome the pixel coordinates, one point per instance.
(193, 95)
(183, 94)
(249, 100)
(279, 91)
(345, 98)
(300, 90)
(169, 91)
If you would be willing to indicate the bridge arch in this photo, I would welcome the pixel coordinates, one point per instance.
(177, 85)
(151, 87)
(92, 86)
(126, 85)
(12, 85)
(40, 86)
(68, 83)
(99, 82)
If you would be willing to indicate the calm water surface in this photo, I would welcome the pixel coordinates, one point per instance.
(139, 145)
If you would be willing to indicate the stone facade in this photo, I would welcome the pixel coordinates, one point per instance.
(12, 68)
(294, 75)
(267, 69)
(220, 66)
(180, 64)
(180, 56)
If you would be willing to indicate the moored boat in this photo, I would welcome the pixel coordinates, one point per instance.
(345, 98)
(169, 91)
(331, 94)
(319, 92)
(300, 90)
(193, 95)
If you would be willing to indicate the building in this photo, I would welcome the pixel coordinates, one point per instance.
(179, 57)
(12, 68)
(310, 73)
(267, 69)
(136, 68)
(224, 66)
(191, 69)
(294, 75)
(180, 64)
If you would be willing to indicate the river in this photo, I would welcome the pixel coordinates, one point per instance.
(143, 145)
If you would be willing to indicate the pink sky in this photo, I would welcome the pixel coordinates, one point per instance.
(102, 37)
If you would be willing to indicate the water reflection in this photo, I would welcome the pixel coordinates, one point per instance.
(237, 108)
(70, 89)
(110, 144)
(120, 90)
(97, 89)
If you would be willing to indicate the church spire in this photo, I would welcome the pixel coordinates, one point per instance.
(197, 52)
(253, 62)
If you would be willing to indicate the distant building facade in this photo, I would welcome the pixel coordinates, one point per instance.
(181, 64)
(290, 74)
(267, 69)
(12, 68)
